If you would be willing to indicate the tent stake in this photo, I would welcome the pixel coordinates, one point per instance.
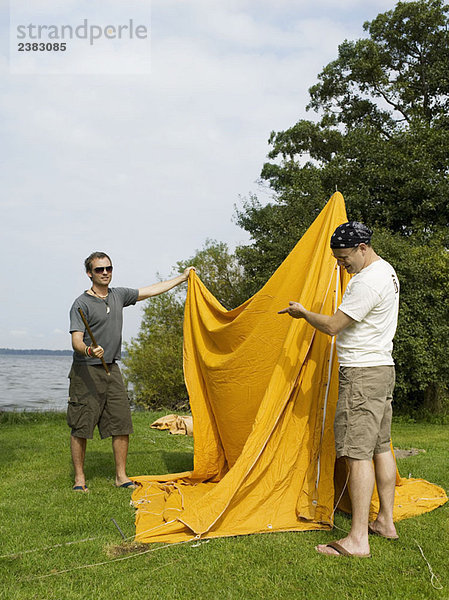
(120, 531)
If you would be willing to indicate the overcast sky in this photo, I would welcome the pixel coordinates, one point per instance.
(145, 166)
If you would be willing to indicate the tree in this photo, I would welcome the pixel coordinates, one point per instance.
(422, 339)
(382, 137)
(153, 365)
(219, 271)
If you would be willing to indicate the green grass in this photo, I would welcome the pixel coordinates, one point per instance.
(39, 511)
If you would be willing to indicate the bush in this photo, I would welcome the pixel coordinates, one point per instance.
(153, 365)
(422, 338)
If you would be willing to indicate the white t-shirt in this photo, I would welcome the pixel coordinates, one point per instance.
(372, 300)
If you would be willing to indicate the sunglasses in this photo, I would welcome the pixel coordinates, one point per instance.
(101, 269)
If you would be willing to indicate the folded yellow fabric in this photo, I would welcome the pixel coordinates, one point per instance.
(176, 424)
(263, 390)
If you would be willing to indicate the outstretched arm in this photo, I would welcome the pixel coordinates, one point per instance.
(331, 325)
(163, 286)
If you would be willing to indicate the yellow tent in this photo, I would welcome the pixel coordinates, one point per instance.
(263, 390)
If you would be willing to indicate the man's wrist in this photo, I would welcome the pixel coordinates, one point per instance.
(88, 352)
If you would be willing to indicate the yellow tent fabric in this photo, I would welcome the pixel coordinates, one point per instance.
(263, 389)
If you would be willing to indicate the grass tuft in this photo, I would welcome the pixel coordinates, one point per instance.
(124, 549)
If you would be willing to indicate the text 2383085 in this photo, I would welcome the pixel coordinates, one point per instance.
(42, 47)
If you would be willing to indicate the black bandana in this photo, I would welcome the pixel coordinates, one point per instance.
(350, 235)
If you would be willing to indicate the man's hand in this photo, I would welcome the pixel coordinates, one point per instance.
(96, 351)
(187, 272)
(295, 310)
(329, 324)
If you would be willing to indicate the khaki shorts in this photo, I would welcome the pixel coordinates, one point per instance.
(362, 425)
(96, 398)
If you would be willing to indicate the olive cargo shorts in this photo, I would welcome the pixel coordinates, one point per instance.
(362, 425)
(96, 398)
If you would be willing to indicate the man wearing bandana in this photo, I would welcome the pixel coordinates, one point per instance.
(365, 324)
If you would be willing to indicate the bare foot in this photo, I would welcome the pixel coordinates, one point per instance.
(127, 483)
(388, 532)
(79, 483)
(80, 488)
(344, 547)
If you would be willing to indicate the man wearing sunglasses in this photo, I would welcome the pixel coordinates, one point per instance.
(365, 324)
(97, 398)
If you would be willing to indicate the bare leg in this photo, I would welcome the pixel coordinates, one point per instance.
(78, 450)
(361, 486)
(120, 448)
(385, 467)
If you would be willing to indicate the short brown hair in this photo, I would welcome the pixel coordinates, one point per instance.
(93, 256)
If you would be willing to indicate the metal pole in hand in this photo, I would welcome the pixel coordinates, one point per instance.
(94, 341)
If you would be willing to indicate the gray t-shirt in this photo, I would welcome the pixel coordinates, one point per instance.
(105, 319)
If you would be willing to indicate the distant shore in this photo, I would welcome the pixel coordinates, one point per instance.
(40, 352)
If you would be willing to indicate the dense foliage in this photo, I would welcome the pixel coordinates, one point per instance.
(153, 364)
(422, 338)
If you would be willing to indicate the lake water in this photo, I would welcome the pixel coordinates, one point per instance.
(34, 382)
